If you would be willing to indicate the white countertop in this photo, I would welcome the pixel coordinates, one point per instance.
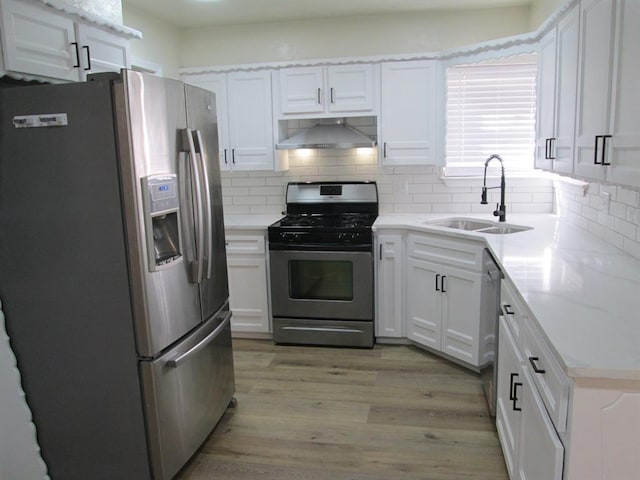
(583, 292)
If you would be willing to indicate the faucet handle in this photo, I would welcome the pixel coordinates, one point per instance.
(497, 212)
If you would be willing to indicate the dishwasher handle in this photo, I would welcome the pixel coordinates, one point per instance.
(183, 357)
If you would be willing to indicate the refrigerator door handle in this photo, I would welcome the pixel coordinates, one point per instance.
(183, 357)
(208, 219)
(198, 210)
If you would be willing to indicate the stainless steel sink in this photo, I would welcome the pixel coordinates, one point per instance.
(474, 225)
(504, 229)
(461, 223)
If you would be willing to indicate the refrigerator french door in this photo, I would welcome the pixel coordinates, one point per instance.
(113, 271)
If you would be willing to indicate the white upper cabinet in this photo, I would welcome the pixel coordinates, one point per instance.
(408, 113)
(40, 41)
(545, 135)
(327, 90)
(608, 122)
(245, 120)
(101, 51)
(559, 146)
(624, 125)
(250, 120)
(594, 85)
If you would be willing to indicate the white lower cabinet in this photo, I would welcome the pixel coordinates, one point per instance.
(247, 270)
(531, 447)
(443, 294)
(532, 398)
(389, 285)
(508, 412)
(540, 452)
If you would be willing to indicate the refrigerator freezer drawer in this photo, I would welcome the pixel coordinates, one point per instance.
(187, 390)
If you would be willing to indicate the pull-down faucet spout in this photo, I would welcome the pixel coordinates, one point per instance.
(501, 209)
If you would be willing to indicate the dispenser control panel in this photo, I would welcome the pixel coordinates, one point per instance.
(163, 193)
(162, 220)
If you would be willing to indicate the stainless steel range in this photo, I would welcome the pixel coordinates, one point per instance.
(321, 264)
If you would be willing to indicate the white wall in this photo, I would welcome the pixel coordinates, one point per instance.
(541, 10)
(349, 36)
(108, 9)
(161, 42)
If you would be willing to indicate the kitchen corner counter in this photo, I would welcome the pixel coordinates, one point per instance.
(583, 293)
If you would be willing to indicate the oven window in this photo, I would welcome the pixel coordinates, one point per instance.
(321, 280)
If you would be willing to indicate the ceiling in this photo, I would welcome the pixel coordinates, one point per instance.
(199, 13)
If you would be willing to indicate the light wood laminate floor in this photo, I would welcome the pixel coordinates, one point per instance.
(315, 413)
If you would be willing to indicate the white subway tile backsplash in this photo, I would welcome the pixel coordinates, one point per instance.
(611, 212)
(277, 190)
(433, 198)
(408, 189)
(247, 181)
(626, 229)
(628, 197)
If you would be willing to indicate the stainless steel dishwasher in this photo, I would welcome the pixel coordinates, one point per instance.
(490, 310)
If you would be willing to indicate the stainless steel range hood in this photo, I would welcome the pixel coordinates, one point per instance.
(336, 134)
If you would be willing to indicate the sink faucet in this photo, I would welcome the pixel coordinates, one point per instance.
(501, 209)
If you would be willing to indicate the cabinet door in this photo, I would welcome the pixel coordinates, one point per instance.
(566, 81)
(625, 116)
(101, 51)
(424, 303)
(248, 293)
(540, 452)
(217, 83)
(546, 100)
(250, 120)
(389, 292)
(508, 397)
(350, 88)
(301, 90)
(594, 85)
(408, 113)
(461, 292)
(38, 41)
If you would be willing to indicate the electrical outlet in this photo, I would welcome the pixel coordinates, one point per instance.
(602, 201)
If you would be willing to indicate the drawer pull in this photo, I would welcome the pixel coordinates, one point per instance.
(532, 361)
(507, 309)
(437, 277)
(512, 390)
(515, 396)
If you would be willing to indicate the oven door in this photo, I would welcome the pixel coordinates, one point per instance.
(322, 284)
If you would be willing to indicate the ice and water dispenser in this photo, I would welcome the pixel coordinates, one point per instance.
(162, 220)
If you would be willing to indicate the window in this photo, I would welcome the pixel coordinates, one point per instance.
(491, 108)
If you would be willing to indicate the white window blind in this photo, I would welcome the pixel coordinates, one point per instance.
(490, 109)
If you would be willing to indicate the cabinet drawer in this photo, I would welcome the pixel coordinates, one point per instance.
(550, 380)
(513, 310)
(444, 249)
(245, 244)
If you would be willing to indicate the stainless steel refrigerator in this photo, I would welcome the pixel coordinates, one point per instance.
(113, 271)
